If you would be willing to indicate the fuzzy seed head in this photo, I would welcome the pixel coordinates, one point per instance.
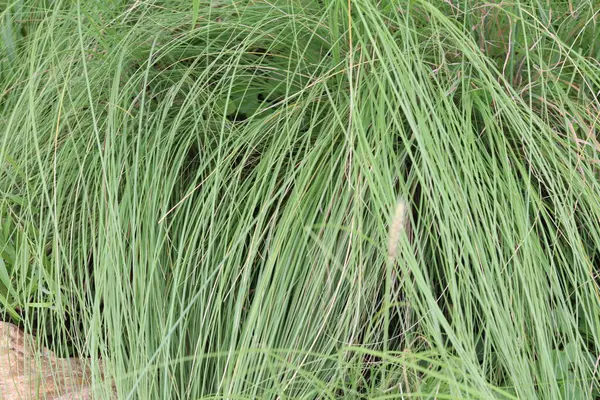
(397, 226)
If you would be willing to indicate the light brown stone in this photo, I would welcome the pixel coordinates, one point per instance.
(28, 374)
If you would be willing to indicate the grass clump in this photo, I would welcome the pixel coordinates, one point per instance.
(201, 195)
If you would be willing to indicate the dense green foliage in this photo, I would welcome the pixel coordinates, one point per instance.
(200, 194)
